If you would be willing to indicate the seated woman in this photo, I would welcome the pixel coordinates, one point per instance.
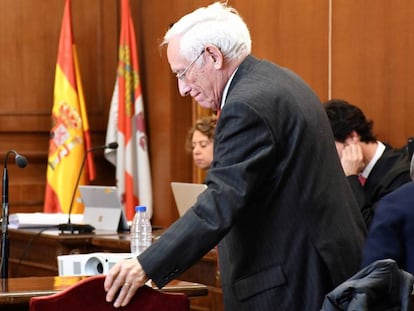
(200, 141)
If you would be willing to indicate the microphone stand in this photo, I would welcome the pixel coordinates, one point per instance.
(21, 162)
(81, 228)
(4, 224)
(69, 226)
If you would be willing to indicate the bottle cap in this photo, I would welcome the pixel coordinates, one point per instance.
(140, 208)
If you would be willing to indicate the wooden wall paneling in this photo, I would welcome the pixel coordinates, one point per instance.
(29, 35)
(28, 45)
(26, 185)
(96, 27)
(372, 63)
(401, 63)
(27, 48)
(293, 34)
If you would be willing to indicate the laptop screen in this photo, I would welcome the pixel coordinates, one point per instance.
(185, 195)
(103, 208)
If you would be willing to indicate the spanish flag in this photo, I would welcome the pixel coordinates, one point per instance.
(126, 124)
(69, 136)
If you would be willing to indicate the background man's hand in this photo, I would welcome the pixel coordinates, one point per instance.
(352, 159)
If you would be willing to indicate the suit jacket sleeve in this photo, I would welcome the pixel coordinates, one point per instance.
(243, 152)
(384, 239)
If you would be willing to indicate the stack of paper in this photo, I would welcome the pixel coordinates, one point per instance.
(41, 220)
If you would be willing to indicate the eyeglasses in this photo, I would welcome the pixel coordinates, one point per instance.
(181, 75)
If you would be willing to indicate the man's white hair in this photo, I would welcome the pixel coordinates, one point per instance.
(216, 24)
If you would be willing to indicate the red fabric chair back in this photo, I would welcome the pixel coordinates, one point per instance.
(89, 294)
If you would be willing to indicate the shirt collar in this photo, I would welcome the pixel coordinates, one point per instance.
(226, 89)
(378, 153)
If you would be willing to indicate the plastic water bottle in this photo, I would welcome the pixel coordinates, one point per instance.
(141, 231)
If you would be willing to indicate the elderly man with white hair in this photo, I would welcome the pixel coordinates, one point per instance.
(277, 203)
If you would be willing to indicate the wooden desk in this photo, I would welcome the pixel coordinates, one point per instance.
(34, 253)
(15, 293)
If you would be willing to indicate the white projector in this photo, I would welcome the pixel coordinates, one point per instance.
(88, 264)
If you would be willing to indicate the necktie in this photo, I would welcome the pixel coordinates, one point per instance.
(362, 180)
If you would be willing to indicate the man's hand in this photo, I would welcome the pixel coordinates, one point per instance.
(352, 159)
(124, 279)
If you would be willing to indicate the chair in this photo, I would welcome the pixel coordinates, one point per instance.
(89, 294)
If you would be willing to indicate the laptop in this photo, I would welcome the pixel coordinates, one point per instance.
(102, 208)
(185, 195)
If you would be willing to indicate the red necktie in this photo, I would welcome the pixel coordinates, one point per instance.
(362, 180)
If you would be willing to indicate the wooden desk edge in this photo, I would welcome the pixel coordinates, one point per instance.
(188, 288)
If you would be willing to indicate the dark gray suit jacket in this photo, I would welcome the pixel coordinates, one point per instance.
(277, 200)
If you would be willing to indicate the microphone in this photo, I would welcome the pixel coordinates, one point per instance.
(82, 228)
(113, 145)
(21, 162)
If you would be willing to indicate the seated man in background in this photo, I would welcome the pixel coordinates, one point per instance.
(391, 234)
(200, 141)
(373, 168)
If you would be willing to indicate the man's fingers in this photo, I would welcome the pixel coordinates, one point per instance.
(120, 300)
(125, 295)
(131, 292)
(112, 292)
(114, 282)
(111, 276)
